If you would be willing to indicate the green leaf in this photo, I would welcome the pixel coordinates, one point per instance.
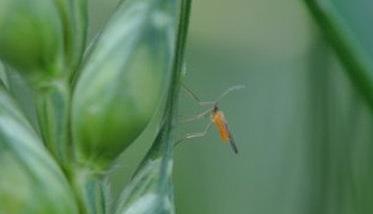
(22, 93)
(3, 77)
(30, 180)
(358, 64)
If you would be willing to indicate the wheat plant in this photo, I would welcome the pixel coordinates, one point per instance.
(68, 110)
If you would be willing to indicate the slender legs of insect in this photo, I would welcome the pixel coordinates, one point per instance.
(194, 135)
(199, 134)
(195, 97)
(198, 116)
(203, 114)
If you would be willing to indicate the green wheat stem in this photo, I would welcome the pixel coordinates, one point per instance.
(178, 61)
(53, 101)
(171, 103)
(154, 174)
(89, 190)
(358, 65)
(163, 145)
(53, 105)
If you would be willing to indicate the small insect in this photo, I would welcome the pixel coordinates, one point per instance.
(216, 117)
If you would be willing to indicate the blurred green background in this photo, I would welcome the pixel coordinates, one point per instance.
(304, 133)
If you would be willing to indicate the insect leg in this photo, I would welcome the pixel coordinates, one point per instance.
(198, 116)
(233, 145)
(194, 135)
(199, 134)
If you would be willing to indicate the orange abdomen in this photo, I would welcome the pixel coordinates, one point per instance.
(219, 120)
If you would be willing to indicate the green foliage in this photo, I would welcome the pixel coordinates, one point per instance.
(151, 190)
(31, 38)
(123, 79)
(64, 120)
(353, 55)
(30, 180)
(344, 140)
(151, 185)
(73, 14)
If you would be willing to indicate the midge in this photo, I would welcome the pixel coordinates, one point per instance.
(216, 117)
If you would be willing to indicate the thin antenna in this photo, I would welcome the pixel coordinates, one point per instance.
(195, 97)
(229, 90)
(203, 103)
(190, 92)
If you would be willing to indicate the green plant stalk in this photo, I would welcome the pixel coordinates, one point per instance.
(53, 101)
(90, 192)
(173, 94)
(53, 107)
(152, 180)
(74, 19)
(164, 145)
(358, 65)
